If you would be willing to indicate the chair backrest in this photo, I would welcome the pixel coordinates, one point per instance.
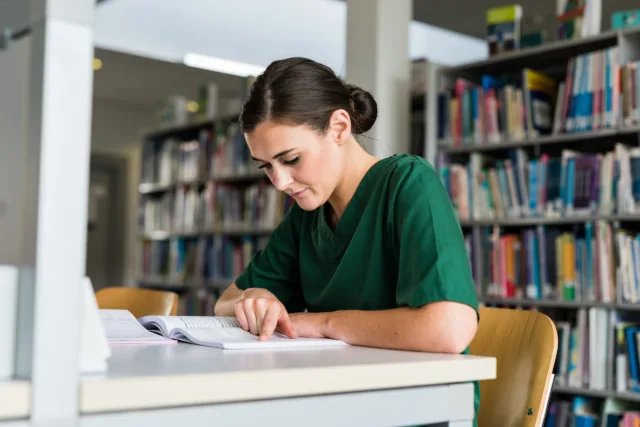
(524, 344)
(140, 302)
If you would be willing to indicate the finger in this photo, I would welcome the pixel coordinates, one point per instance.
(286, 326)
(270, 322)
(260, 309)
(251, 316)
(242, 317)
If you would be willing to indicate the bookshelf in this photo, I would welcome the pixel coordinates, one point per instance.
(545, 180)
(204, 210)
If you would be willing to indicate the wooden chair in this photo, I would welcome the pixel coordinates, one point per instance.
(524, 344)
(140, 302)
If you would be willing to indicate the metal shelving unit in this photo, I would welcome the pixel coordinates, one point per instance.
(603, 394)
(529, 222)
(185, 132)
(551, 56)
(560, 139)
(229, 231)
(542, 303)
(151, 187)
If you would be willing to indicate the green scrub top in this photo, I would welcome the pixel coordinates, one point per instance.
(398, 243)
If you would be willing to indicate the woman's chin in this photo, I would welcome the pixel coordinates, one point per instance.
(308, 204)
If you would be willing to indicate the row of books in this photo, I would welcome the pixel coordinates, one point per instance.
(580, 411)
(219, 151)
(597, 92)
(199, 259)
(587, 349)
(582, 263)
(572, 184)
(197, 303)
(598, 349)
(215, 206)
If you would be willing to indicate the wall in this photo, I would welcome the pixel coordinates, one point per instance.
(443, 46)
(117, 131)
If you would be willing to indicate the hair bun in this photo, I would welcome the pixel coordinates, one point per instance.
(365, 109)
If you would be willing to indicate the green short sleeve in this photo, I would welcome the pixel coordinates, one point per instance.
(433, 260)
(276, 267)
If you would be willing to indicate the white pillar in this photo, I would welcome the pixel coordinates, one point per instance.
(378, 61)
(53, 185)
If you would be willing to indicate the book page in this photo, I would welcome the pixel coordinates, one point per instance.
(240, 339)
(120, 326)
(189, 322)
(209, 322)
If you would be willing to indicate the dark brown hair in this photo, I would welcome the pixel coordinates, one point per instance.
(300, 91)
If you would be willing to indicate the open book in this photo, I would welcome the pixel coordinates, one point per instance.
(223, 332)
(121, 327)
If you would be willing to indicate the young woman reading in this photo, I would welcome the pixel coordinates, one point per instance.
(371, 249)
(371, 253)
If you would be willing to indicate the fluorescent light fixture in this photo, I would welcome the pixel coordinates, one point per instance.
(222, 65)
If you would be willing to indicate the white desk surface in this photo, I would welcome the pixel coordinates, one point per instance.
(15, 399)
(152, 376)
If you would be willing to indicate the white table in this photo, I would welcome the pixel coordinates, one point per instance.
(182, 384)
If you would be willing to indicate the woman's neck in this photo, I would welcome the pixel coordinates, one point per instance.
(358, 162)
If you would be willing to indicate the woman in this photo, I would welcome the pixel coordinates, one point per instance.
(372, 249)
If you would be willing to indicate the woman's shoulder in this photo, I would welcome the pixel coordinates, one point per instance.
(415, 187)
(406, 171)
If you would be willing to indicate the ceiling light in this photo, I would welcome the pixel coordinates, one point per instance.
(222, 65)
(97, 64)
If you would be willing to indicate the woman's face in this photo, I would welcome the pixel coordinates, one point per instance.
(298, 160)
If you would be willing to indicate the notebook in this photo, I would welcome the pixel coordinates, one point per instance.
(224, 333)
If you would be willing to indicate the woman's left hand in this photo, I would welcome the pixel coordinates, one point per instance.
(310, 325)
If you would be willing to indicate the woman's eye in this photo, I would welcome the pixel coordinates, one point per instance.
(292, 161)
(265, 166)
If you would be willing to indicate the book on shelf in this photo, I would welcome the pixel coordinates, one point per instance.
(573, 184)
(219, 151)
(178, 110)
(199, 259)
(580, 411)
(197, 303)
(503, 29)
(625, 19)
(215, 207)
(596, 92)
(585, 349)
(576, 19)
(210, 331)
(579, 264)
(591, 262)
(596, 261)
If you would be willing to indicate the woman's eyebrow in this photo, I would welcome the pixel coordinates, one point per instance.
(280, 154)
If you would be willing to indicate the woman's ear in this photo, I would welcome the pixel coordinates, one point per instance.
(340, 126)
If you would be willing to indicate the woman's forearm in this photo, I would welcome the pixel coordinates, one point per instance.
(226, 304)
(443, 327)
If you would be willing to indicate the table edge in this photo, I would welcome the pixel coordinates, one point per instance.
(143, 392)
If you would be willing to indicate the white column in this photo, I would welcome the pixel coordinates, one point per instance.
(53, 194)
(378, 61)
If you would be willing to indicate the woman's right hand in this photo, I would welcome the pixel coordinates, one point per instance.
(261, 313)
